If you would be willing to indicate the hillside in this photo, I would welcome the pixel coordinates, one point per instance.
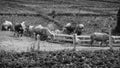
(86, 11)
(24, 6)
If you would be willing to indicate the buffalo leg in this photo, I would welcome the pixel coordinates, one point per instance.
(106, 43)
(38, 37)
(91, 42)
(18, 34)
(101, 43)
(44, 37)
(35, 36)
(14, 34)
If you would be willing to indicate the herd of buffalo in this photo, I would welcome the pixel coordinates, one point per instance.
(44, 32)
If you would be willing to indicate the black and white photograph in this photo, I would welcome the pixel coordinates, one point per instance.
(59, 33)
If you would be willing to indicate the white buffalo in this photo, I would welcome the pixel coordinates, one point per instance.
(7, 25)
(43, 32)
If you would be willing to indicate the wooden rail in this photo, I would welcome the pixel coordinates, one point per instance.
(83, 39)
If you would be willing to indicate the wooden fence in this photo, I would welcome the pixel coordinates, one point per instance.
(83, 39)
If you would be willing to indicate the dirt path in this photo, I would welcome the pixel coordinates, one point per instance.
(10, 43)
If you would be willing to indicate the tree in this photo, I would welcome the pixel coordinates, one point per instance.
(117, 28)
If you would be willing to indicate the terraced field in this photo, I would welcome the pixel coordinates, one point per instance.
(65, 13)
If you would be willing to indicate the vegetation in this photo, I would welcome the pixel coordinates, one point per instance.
(61, 59)
(92, 23)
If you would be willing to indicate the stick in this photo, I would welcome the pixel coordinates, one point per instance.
(38, 41)
(74, 41)
(110, 39)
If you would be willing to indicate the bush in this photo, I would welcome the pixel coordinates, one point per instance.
(63, 59)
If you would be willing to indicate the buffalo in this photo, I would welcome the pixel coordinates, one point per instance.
(100, 37)
(43, 32)
(7, 26)
(71, 28)
(20, 28)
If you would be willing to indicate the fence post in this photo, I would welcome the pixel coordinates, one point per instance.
(38, 42)
(74, 41)
(110, 39)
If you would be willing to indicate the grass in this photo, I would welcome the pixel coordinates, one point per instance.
(63, 59)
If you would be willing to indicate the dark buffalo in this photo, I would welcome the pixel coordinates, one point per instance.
(79, 29)
(19, 28)
(7, 26)
(100, 37)
(73, 28)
